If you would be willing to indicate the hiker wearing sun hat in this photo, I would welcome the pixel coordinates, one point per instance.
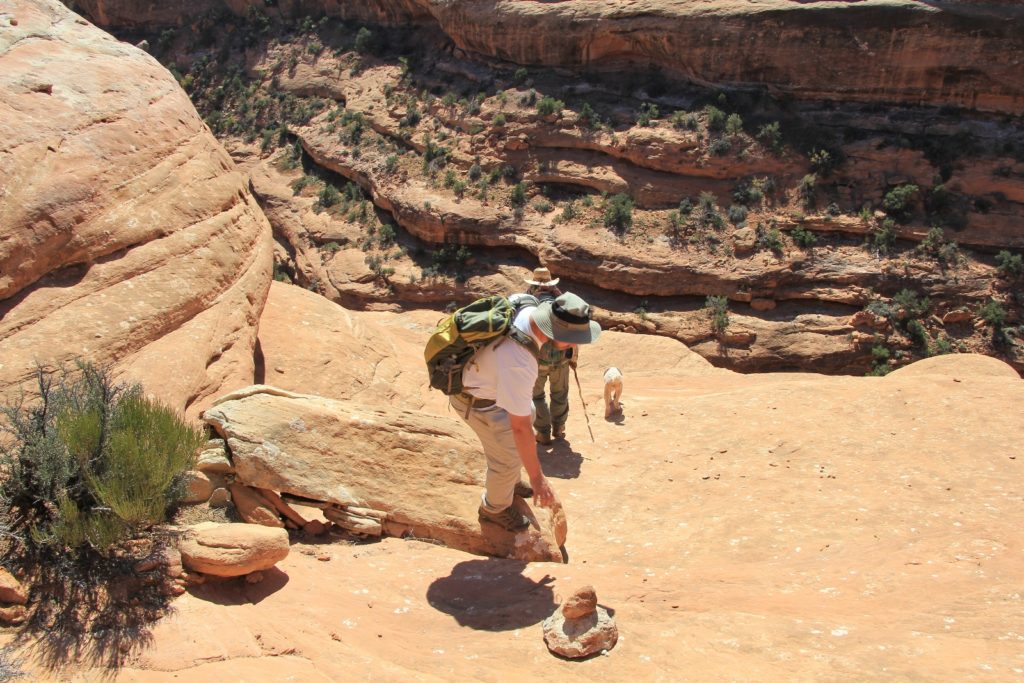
(553, 368)
(497, 403)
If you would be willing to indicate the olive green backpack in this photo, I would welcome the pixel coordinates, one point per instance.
(457, 338)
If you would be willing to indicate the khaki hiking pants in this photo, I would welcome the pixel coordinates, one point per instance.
(503, 464)
(544, 419)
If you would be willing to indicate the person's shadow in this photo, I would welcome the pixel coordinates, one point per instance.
(559, 460)
(492, 595)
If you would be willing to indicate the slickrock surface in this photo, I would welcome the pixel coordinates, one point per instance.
(126, 235)
(772, 527)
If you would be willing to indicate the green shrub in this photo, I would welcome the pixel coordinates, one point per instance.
(910, 305)
(879, 361)
(715, 118)
(518, 195)
(719, 147)
(91, 462)
(993, 313)
(734, 124)
(768, 239)
(391, 164)
(520, 75)
(618, 215)
(737, 214)
(328, 197)
(897, 202)
(648, 112)
(884, 237)
(549, 105)
(366, 41)
(718, 311)
(808, 190)
(803, 237)
(770, 136)
(499, 120)
(587, 116)
(1009, 265)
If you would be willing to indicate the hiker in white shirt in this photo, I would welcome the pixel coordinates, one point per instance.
(497, 403)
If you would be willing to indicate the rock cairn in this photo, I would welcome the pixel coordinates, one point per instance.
(580, 627)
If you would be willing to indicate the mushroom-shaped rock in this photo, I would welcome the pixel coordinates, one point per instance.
(580, 627)
(232, 549)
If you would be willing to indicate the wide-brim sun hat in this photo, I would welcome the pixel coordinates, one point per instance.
(567, 319)
(542, 278)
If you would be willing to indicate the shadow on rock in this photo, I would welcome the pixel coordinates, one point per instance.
(560, 460)
(238, 591)
(492, 595)
(90, 610)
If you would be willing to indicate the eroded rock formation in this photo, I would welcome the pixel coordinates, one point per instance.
(126, 236)
(949, 53)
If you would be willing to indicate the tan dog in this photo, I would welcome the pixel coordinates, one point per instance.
(612, 391)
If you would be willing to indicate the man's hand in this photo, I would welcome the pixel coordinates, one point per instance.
(543, 494)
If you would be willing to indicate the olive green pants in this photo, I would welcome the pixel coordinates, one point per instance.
(555, 416)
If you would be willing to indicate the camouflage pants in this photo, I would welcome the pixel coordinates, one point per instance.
(546, 418)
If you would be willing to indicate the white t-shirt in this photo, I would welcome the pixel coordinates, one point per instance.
(504, 371)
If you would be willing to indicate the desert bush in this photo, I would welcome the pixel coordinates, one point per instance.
(718, 311)
(884, 236)
(499, 120)
(897, 202)
(734, 124)
(879, 360)
(719, 147)
(737, 214)
(91, 462)
(768, 239)
(808, 190)
(1009, 265)
(366, 41)
(517, 197)
(715, 118)
(618, 214)
(803, 237)
(910, 305)
(549, 105)
(328, 197)
(993, 313)
(770, 136)
(648, 112)
(587, 116)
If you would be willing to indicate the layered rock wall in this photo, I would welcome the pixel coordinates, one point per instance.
(871, 51)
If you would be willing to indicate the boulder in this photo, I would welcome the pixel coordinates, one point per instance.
(253, 507)
(11, 590)
(198, 487)
(232, 549)
(127, 236)
(214, 460)
(406, 472)
(12, 615)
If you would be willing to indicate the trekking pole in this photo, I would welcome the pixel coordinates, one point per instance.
(580, 389)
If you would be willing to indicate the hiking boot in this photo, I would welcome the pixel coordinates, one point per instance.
(523, 490)
(508, 519)
(559, 432)
(543, 437)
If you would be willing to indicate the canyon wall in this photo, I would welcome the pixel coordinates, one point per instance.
(893, 51)
(127, 238)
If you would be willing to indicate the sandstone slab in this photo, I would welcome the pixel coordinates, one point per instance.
(420, 474)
